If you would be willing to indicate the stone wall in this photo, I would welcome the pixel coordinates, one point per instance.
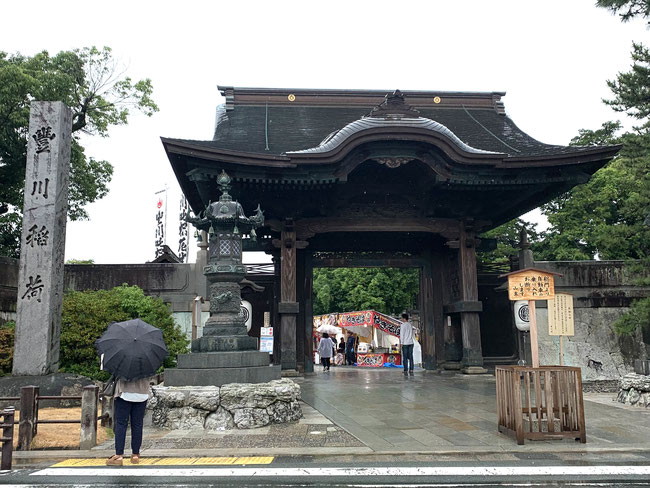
(232, 406)
(603, 291)
(175, 284)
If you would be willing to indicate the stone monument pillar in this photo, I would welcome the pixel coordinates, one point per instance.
(42, 247)
(225, 353)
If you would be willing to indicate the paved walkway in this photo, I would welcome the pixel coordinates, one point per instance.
(390, 412)
(377, 413)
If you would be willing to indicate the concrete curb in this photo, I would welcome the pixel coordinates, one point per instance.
(325, 451)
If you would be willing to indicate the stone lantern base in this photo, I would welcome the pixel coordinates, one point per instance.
(221, 368)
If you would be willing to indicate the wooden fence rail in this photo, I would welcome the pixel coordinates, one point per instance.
(540, 403)
(28, 423)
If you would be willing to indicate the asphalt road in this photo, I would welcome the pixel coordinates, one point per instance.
(315, 475)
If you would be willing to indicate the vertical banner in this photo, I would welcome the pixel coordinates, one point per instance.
(161, 220)
(183, 231)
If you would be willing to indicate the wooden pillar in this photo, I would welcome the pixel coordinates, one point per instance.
(308, 311)
(88, 432)
(428, 340)
(469, 306)
(300, 318)
(275, 315)
(288, 306)
(439, 323)
(28, 417)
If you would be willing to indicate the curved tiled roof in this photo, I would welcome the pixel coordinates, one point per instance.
(289, 129)
(334, 140)
(284, 124)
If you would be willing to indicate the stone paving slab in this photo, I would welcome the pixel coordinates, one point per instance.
(382, 415)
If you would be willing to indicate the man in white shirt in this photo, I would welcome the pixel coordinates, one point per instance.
(406, 331)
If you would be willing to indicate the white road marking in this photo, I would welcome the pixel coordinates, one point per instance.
(365, 471)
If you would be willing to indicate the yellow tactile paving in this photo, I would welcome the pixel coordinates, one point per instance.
(171, 461)
(254, 460)
(217, 461)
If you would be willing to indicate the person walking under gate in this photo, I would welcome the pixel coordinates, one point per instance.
(406, 331)
(325, 350)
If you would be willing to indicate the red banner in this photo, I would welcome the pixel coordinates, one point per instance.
(370, 318)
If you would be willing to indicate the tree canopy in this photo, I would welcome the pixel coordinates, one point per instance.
(387, 290)
(609, 216)
(605, 217)
(94, 85)
(626, 9)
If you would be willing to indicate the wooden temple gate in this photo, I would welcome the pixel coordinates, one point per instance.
(343, 174)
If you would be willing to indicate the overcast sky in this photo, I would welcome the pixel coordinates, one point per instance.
(551, 57)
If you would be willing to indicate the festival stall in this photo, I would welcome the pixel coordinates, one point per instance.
(378, 337)
(324, 323)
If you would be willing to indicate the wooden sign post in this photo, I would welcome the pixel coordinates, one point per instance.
(531, 284)
(560, 319)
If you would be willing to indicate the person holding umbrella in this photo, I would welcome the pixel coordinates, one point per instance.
(132, 351)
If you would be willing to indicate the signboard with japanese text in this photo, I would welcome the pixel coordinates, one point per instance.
(266, 339)
(530, 285)
(560, 315)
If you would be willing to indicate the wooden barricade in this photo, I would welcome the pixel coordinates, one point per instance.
(540, 403)
(28, 424)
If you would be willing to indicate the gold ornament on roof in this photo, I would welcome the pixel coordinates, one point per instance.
(291, 97)
(436, 99)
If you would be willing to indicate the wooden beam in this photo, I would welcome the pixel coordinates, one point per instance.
(309, 227)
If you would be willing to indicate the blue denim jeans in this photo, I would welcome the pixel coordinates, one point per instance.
(123, 411)
(407, 356)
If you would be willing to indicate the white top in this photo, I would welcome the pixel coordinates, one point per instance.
(134, 397)
(406, 333)
(325, 348)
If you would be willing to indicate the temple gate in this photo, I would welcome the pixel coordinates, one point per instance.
(348, 177)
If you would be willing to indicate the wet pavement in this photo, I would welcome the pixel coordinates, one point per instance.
(383, 415)
(390, 412)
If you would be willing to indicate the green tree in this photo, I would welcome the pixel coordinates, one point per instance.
(87, 314)
(626, 9)
(80, 261)
(507, 236)
(92, 83)
(386, 290)
(605, 217)
(630, 89)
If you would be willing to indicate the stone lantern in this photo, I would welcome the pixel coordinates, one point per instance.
(225, 353)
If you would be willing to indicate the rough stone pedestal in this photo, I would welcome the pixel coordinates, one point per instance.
(634, 389)
(233, 406)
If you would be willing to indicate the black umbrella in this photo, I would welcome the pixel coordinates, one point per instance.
(132, 349)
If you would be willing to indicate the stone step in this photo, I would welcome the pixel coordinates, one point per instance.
(220, 376)
(230, 343)
(234, 359)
